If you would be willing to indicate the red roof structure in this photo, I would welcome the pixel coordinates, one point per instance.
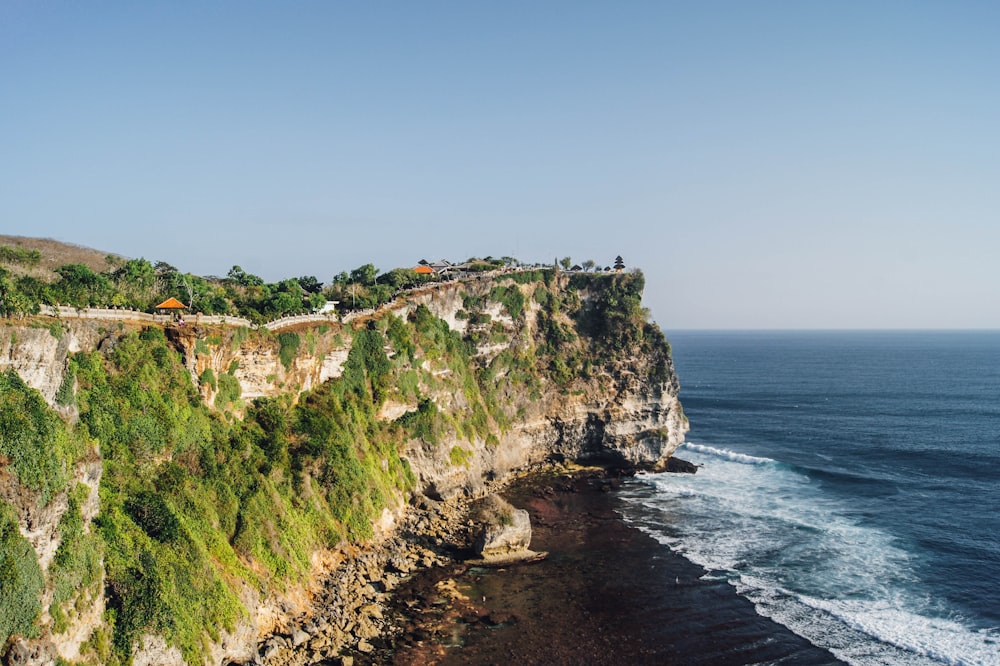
(171, 304)
(424, 270)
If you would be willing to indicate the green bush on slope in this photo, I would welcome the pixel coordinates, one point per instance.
(34, 439)
(75, 572)
(166, 559)
(189, 500)
(20, 579)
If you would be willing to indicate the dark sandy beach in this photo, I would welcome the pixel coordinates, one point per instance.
(606, 594)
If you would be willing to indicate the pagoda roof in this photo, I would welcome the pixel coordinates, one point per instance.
(171, 304)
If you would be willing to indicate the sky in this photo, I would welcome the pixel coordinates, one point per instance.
(766, 164)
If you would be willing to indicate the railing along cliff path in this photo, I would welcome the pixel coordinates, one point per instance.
(126, 315)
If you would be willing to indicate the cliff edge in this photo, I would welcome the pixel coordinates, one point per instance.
(237, 467)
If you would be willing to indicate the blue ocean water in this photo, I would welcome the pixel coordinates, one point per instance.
(850, 486)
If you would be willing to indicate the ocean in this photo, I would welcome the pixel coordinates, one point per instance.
(849, 486)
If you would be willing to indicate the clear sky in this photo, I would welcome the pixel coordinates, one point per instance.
(767, 164)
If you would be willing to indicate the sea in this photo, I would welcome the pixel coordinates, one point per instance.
(849, 486)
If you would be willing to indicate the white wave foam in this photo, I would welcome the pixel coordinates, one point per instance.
(804, 560)
(727, 454)
(939, 639)
(846, 641)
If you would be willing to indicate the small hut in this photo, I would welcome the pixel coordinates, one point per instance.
(174, 307)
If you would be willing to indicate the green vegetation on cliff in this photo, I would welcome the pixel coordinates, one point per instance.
(197, 505)
(21, 579)
(34, 441)
(75, 572)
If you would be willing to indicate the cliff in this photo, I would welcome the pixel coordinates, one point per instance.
(237, 467)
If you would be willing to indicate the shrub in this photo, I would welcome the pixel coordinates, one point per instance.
(151, 513)
(76, 567)
(479, 318)
(239, 336)
(399, 335)
(207, 377)
(424, 423)
(10, 254)
(20, 579)
(511, 298)
(34, 438)
(525, 277)
(288, 347)
(229, 391)
(65, 395)
(459, 456)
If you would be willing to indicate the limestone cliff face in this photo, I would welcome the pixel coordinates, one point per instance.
(614, 405)
(38, 352)
(619, 415)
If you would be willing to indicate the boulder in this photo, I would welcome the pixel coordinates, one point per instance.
(505, 533)
(675, 465)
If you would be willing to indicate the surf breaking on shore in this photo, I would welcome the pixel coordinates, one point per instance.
(606, 594)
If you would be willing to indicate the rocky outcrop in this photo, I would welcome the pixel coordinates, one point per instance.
(504, 533)
(677, 466)
(38, 351)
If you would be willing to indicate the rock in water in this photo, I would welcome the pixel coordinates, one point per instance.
(506, 532)
(676, 465)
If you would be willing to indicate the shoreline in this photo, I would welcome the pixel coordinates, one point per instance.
(606, 594)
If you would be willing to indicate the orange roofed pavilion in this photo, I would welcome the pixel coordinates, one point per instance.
(171, 304)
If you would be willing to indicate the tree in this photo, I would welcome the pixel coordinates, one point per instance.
(588, 265)
(81, 287)
(185, 283)
(310, 284)
(136, 274)
(565, 262)
(364, 274)
(316, 301)
(400, 278)
(619, 264)
(244, 279)
(163, 268)
(13, 302)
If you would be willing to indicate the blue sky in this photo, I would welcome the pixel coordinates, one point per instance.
(767, 164)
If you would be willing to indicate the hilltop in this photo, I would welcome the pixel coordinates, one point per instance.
(52, 254)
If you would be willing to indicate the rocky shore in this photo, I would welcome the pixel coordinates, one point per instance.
(349, 620)
(606, 594)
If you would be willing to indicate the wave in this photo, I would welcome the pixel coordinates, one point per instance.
(805, 559)
(940, 640)
(861, 485)
(727, 454)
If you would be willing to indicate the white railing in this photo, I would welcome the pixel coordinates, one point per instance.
(105, 314)
(285, 322)
(116, 314)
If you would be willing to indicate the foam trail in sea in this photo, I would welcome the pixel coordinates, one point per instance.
(804, 560)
